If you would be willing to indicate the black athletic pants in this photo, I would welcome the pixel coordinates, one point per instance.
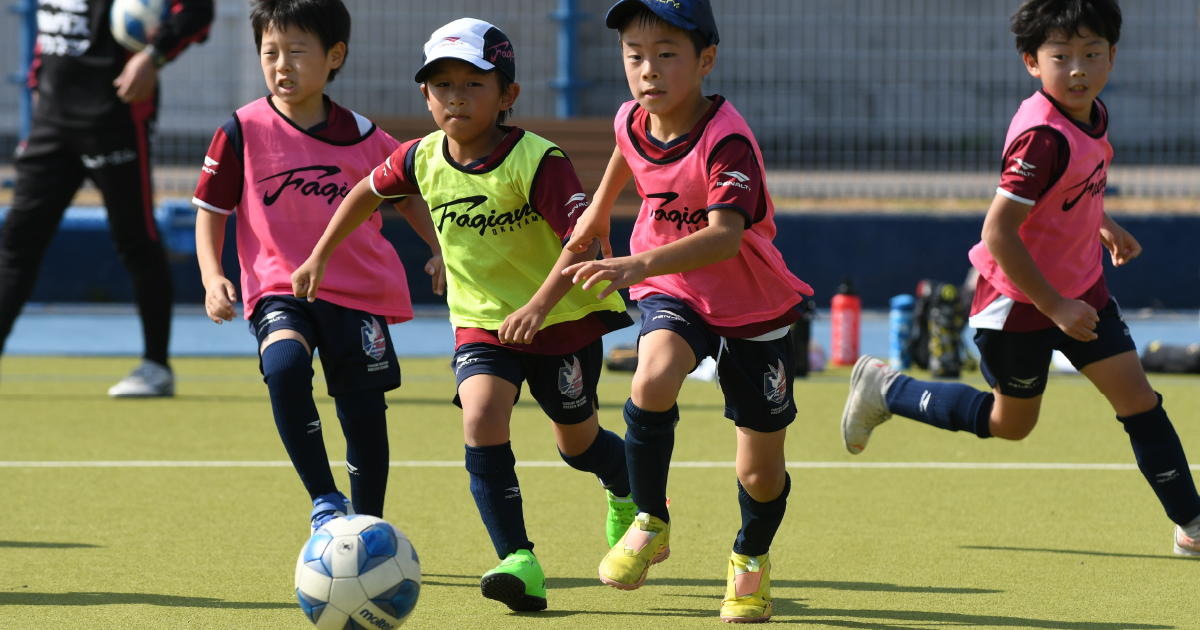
(50, 169)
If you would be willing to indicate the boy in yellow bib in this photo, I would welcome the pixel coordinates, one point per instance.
(502, 203)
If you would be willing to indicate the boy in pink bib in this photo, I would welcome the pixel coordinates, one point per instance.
(283, 163)
(709, 282)
(1041, 285)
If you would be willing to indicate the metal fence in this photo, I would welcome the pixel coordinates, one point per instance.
(827, 85)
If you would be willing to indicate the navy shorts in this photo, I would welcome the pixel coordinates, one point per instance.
(563, 384)
(1019, 362)
(355, 346)
(755, 376)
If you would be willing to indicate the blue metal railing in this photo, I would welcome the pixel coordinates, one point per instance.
(568, 82)
(26, 11)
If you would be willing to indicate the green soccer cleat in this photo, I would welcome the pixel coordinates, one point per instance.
(518, 583)
(621, 512)
(647, 542)
(747, 590)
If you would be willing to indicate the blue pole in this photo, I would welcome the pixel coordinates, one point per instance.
(26, 10)
(567, 82)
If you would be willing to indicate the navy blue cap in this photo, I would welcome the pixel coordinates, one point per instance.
(689, 15)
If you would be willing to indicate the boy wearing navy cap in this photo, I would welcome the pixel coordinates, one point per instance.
(709, 282)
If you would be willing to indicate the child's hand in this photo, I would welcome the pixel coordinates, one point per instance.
(589, 227)
(1120, 243)
(219, 297)
(1076, 318)
(522, 325)
(621, 272)
(436, 267)
(307, 278)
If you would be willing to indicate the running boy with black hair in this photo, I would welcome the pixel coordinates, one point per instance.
(1041, 286)
(502, 200)
(282, 163)
(709, 282)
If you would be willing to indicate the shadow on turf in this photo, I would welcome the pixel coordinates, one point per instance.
(878, 587)
(907, 619)
(105, 599)
(24, 544)
(1079, 552)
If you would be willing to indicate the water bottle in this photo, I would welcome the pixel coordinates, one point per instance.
(846, 313)
(802, 334)
(900, 320)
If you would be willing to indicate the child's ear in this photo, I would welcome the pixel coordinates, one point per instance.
(425, 91)
(1031, 64)
(708, 60)
(509, 98)
(337, 55)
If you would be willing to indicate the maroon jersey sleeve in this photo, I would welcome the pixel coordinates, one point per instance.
(1033, 163)
(222, 175)
(394, 178)
(735, 181)
(557, 194)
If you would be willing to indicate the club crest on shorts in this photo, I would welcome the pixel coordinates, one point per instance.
(374, 343)
(570, 379)
(775, 383)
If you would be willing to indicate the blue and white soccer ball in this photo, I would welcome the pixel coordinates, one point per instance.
(358, 572)
(133, 22)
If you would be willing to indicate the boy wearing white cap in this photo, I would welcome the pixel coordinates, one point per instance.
(503, 201)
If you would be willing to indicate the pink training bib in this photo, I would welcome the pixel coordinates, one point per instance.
(754, 286)
(294, 183)
(1062, 232)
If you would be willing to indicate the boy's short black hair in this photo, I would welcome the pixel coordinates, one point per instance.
(327, 19)
(649, 19)
(1037, 20)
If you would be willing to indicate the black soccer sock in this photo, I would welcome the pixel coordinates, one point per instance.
(498, 496)
(605, 458)
(950, 406)
(1162, 462)
(760, 521)
(364, 423)
(649, 441)
(287, 371)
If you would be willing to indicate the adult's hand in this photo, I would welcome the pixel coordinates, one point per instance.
(137, 80)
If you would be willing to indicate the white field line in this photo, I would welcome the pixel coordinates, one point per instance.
(559, 464)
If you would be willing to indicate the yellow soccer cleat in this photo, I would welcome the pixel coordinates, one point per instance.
(748, 589)
(646, 542)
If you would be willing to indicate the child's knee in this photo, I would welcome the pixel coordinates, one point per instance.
(656, 388)
(286, 361)
(1012, 427)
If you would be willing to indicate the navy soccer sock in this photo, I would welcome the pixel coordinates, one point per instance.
(649, 441)
(760, 521)
(498, 496)
(950, 406)
(364, 423)
(1161, 460)
(287, 371)
(605, 458)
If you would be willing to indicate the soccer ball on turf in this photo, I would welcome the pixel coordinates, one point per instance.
(133, 22)
(358, 572)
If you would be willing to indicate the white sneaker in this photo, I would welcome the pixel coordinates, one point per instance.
(147, 380)
(1187, 541)
(866, 407)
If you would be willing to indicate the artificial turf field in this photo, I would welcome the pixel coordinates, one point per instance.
(900, 548)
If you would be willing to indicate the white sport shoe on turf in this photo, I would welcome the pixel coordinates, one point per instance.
(1187, 540)
(866, 407)
(147, 380)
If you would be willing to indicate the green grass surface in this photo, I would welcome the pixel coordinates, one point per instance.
(860, 548)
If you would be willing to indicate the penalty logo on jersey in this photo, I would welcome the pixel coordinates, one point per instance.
(570, 379)
(775, 383)
(374, 343)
